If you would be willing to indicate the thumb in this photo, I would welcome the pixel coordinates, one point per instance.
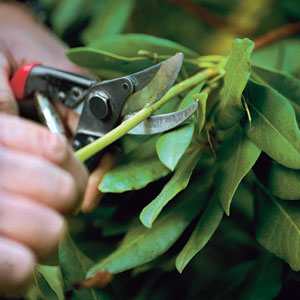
(8, 103)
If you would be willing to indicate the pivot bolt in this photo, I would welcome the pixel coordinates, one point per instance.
(99, 107)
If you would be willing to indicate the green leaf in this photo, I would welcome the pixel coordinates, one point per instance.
(142, 245)
(264, 281)
(53, 276)
(111, 18)
(129, 44)
(171, 146)
(274, 126)
(133, 176)
(67, 12)
(177, 183)
(104, 63)
(278, 228)
(284, 183)
(282, 55)
(202, 233)
(237, 156)
(238, 70)
(287, 85)
(189, 98)
(201, 112)
(74, 265)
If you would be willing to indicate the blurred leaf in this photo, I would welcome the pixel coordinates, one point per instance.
(284, 183)
(111, 18)
(282, 55)
(238, 70)
(177, 183)
(133, 176)
(202, 233)
(278, 228)
(264, 280)
(142, 245)
(74, 265)
(129, 44)
(274, 126)
(171, 146)
(53, 276)
(67, 12)
(237, 156)
(291, 7)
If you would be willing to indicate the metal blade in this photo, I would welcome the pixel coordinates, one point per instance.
(152, 83)
(161, 123)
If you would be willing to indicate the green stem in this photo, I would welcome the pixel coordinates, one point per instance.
(98, 145)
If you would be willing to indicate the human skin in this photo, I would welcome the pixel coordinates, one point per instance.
(40, 178)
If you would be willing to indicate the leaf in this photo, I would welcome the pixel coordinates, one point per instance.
(52, 274)
(142, 245)
(238, 70)
(111, 18)
(278, 228)
(202, 233)
(177, 183)
(287, 85)
(189, 98)
(133, 176)
(274, 126)
(264, 280)
(117, 55)
(201, 112)
(237, 156)
(282, 55)
(104, 63)
(284, 183)
(67, 12)
(171, 146)
(129, 44)
(74, 265)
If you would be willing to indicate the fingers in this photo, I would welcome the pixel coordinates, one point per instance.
(16, 266)
(34, 225)
(14, 135)
(8, 103)
(92, 194)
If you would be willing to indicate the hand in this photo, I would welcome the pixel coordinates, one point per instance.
(40, 179)
(30, 41)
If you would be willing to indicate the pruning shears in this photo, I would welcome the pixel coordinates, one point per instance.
(101, 105)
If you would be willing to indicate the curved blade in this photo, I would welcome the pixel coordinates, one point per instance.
(151, 84)
(161, 123)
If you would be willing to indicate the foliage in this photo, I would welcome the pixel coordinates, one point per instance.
(213, 203)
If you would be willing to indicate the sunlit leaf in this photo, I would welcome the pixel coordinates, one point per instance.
(284, 183)
(177, 183)
(278, 228)
(142, 245)
(133, 176)
(236, 158)
(207, 225)
(171, 146)
(238, 70)
(274, 126)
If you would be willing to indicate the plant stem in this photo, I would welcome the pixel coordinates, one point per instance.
(96, 146)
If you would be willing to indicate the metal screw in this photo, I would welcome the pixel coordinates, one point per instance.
(76, 144)
(99, 106)
(90, 139)
(76, 91)
(61, 96)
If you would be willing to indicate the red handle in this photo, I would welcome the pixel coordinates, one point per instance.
(18, 81)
